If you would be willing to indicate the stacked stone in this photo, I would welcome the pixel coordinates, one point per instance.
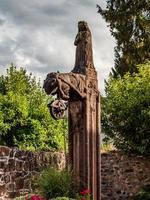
(17, 167)
(123, 175)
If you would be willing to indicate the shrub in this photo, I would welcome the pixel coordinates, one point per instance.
(25, 120)
(53, 183)
(143, 194)
(126, 111)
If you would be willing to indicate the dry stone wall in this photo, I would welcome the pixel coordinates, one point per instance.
(123, 175)
(17, 167)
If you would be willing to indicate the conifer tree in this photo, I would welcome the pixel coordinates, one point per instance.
(129, 23)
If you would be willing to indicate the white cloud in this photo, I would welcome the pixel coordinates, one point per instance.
(40, 35)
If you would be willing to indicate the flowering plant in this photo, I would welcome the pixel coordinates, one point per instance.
(34, 197)
(85, 194)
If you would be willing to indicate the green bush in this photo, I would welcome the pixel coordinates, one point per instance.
(53, 183)
(126, 111)
(25, 120)
(143, 194)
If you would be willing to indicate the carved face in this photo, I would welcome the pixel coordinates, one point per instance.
(50, 84)
(82, 25)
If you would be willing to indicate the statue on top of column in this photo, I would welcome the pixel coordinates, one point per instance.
(84, 54)
(74, 84)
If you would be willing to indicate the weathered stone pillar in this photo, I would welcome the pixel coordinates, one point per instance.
(80, 89)
(84, 118)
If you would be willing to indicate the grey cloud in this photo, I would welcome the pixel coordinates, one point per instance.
(40, 35)
(2, 21)
(33, 12)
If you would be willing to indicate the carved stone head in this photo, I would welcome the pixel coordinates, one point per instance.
(54, 84)
(50, 84)
(82, 26)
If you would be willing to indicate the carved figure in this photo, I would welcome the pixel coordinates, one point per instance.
(84, 55)
(62, 84)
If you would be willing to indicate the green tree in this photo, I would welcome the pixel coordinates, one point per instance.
(126, 111)
(24, 116)
(129, 23)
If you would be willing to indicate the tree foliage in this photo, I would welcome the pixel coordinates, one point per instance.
(126, 111)
(24, 117)
(129, 23)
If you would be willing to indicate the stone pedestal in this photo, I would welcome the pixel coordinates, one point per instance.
(84, 137)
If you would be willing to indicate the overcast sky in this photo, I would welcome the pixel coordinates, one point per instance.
(39, 35)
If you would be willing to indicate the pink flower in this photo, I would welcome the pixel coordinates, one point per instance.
(86, 191)
(34, 197)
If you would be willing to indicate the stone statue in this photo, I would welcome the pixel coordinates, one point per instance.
(84, 54)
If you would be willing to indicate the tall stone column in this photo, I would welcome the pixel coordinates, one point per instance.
(80, 89)
(84, 118)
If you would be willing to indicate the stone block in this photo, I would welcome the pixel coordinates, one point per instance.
(11, 165)
(4, 151)
(2, 181)
(18, 154)
(26, 166)
(27, 184)
(11, 194)
(24, 192)
(19, 183)
(2, 164)
(14, 175)
(7, 178)
(2, 190)
(19, 165)
(10, 187)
